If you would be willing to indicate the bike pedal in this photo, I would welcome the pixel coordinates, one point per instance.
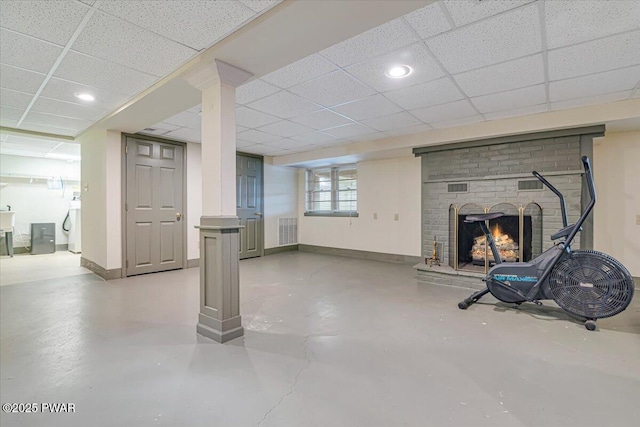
(536, 302)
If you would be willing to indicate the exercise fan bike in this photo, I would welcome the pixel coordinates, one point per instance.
(585, 283)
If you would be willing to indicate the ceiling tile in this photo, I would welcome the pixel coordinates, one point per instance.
(53, 21)
(522, 72)
(11, 113)
(457, 122)
(409, 130)
(467, 11)
(32, 141)
(429, 21)
(256, 136)
(517, 112)
(316, 138)
(350, 130)
(501, 38)
(367, 108)
(109, 38)
(53, 106)
(590, 100)
(322, 119)
(68, 148)
(37, 127)
(197, 109)
(376, 41)
(285, 143)
(595, 56)
(64, 90)
(184, 118)
(20, 80)
(517, 98)
(285, 129)
(57, 121)
(332, 89)
(159, 129)
(568, 23)
(10, 123)
(435, 92)
(12, 98)
(259, 5)
(26, 52)
(305, 69)
(95, 72)
(369, 137)
(244, 144)
(284, 104)
(450, 111)
(594, 84)
(252, 118)
(393, 122)
(372, 72)
(197, 24)
(254, 90)
(185, 134)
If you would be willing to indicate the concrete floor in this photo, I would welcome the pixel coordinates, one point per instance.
(329, 342)
(28, 268)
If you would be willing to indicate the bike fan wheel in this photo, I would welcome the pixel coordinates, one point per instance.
(591, 284)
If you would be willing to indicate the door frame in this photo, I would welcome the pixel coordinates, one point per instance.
(258, 156)
(123, 201)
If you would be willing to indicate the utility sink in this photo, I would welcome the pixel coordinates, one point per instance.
(7, 220)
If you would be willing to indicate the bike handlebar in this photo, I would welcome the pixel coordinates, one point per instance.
(588, 174)
(563, 205)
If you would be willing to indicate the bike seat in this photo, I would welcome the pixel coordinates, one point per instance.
(564, 232)
(483, 217)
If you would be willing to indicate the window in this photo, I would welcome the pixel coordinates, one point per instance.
(332, 191)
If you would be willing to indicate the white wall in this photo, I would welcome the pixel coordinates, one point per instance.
(617, 178)
(101, 197)
(280, 199)
(31, 199)
(386, 187)
(194, 198)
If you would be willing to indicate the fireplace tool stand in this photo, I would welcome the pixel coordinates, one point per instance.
(434, 254)
(585, 283)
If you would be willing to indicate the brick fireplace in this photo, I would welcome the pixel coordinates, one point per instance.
(494, 175)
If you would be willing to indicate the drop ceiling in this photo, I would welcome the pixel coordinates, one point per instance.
(472, 62)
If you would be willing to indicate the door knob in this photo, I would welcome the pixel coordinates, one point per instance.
(178, 216)
(259, 213)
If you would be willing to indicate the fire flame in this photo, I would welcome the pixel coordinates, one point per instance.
(496, 231)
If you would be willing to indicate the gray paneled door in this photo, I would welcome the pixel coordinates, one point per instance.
(154, 210)
(249, 200)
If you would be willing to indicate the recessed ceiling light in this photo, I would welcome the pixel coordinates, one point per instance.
(398, 71)
(84, 96)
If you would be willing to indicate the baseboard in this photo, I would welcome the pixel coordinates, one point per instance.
(112, 274)
(280, 249)
(352, 253)
(191, 263)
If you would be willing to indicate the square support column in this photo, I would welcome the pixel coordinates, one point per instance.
(219, 317)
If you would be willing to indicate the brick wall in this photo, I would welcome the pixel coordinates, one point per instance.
(492, 173)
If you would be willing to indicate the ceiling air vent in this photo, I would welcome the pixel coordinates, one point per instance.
(149, 129)
(457, 188)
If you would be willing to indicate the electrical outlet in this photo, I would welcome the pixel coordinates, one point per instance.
(375, 215)
(396, 217)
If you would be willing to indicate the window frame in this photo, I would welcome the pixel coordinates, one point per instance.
(335, 181)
